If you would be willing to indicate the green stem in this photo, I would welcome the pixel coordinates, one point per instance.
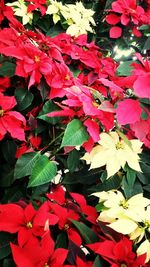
(48, 146)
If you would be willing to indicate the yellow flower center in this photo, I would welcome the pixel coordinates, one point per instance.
(46, 265)
(36, 59)
(67, 77)
(66, 227)
(146, 224)
(119, 145)
(29, 225)
(1, 112)
(124, 204)
(123, 265)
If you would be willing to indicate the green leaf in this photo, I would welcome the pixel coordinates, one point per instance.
(131, 177)
(25, 164)
(147, 44)
(108, 4)
(144, 115)
(100, 207)
(97, 262)
(5, 239)
(144, 179)
(75, 134)
(7, 69)
(128, 191)
(73, 160)
(24, 98)
(83, 177)
(87, 233)
(9, 150)
(7, 175)
(75, 71)
(55, 30)
(43, 172)
(125, 69)
(8, 263)
(44, 23)
(147, 188)
(61, 241)
(47, 108)
(113, 182)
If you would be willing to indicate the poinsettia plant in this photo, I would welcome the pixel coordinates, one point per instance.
(74, 133)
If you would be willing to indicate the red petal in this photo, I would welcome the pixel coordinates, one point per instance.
(58, 257)
(20, 257)
(111, 85)
(7, 102)
(57, 194)
(136, 32)
(12, 51)
(112, 19)
(93, 129)
(128, 111)
(74, 236)
(14, 127)
(61, 113)
(2, 130)
(125, 19)
(115, 32)
(142, 86)
(29, 213)
(11, 218)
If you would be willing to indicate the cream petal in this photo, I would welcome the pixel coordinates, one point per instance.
(112, 166)
(124, 226)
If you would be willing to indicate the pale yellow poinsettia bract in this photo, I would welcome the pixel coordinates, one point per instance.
(20, 10)
(114, 152)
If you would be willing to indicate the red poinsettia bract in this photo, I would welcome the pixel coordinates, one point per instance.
(39, 254)
(27, 222)
(11, 121)
(118, 253)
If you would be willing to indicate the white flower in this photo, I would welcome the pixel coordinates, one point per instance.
(57, 9)
(21, 10)
(144, 248)
(77, 17)
(125, 216)
(114, 153)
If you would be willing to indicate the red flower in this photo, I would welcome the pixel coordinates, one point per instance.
(4, 83)
(64, 223)
(126, 11)
(30, 62)
(37, 4)
(39, 254)
(81, 263)
(128, 111)
(141, 71)
(32, 144)
(77, 202)
(118, 253)
(27, 222)
(10, 121)
(5, 11)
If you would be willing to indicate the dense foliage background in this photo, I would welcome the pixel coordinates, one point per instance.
(61, 97)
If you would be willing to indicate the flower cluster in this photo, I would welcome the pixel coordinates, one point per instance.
(75, 17)
(73, 122)
(127, 216)
(114, 153)
(37, 229)
(126, 13)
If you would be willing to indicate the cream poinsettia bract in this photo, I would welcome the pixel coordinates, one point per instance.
(21, 10)
(127, 216)
(114, 153)
(76, 16)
